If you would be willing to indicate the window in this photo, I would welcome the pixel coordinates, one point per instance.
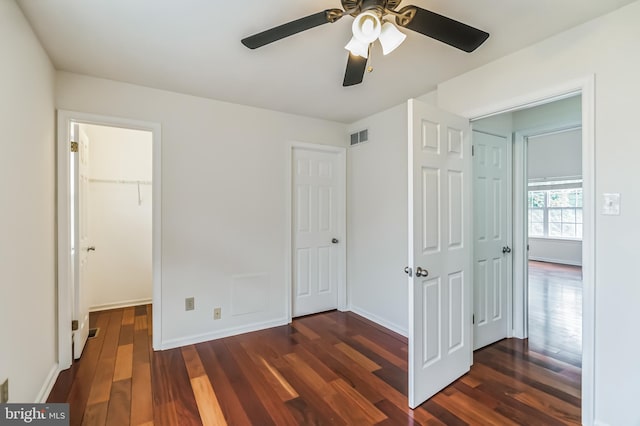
(555, 212)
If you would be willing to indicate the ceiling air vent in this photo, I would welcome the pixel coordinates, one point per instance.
(359, 137)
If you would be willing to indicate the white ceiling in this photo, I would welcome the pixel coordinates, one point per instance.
(193, 47)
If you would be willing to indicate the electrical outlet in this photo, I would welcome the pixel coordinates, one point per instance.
(217, 313)
(4, 392)
(189, 304)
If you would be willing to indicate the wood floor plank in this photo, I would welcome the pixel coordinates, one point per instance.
(95, 414)
(306, 331)
(124, 363)
(251, 403)
(141, 391)
(140, 323)
(208, 406)
(273, 404)
(278, 383)
(471, 411)
(357, 402)
(192, 362)
(555, 407)
(206, 400)
(228, 398)
(358, 357)
(128, 316)
(391, 357)
(119, 412)
(180, 388)
(101, 387)
(83, 382)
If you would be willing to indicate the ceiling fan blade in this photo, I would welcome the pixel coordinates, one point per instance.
(446, 30)
(291, 28)
(356, 66)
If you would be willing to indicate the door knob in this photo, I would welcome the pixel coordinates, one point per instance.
(335, 241)
(506, 249)
(408, 271)
(421, 272)
(92, 248)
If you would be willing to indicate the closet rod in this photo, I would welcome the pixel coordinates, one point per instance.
(134, 182)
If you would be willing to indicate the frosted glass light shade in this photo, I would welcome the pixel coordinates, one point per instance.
(366, 27)
(357, 48)
(390, 38)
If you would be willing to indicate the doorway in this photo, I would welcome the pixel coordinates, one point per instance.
(120, 189)
(553, 115)
(317, 242)
(74, 301)
(554, 233)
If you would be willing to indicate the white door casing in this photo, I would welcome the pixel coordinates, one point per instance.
(81, 245)
(492, 243)
(317, 230)
(440, 241)
(65, 296)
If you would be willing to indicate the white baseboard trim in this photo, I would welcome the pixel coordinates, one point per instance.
(48, 384)
(199, 338)
(550, 260)
(380, 321)
(117, 305)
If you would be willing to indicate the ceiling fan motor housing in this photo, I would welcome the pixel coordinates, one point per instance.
(355, 7)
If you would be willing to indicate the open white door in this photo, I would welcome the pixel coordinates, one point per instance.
(81, 244)
(318, 223)
(492, 254)
(440, 250)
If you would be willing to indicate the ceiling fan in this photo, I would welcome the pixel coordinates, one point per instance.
(371, 24)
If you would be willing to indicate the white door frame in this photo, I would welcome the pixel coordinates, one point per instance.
(64, 278)
(586, 88)
(342, 234)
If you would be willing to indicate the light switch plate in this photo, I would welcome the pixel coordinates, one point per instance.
(611, 204)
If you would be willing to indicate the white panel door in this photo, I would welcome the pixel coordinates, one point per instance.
(81, 245)
(492, 258)
(440, 244)
(317, 230)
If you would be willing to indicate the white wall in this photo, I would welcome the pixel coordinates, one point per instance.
(27, 179)
(554, 115)
(557, 155)
(119, 271)
(501, 125)
(602, 47)
(377, 220)
(224, 172)
(568, 252)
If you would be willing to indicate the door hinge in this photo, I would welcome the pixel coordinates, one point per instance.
(74, 325)
(74, 146)
(473, 150)
(473, 319)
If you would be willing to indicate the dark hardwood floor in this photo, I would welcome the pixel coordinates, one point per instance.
(331, 368)
(555, 310)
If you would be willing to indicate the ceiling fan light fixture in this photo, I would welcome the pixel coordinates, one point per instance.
(366, 27)
(358, 48)
(390, 38)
